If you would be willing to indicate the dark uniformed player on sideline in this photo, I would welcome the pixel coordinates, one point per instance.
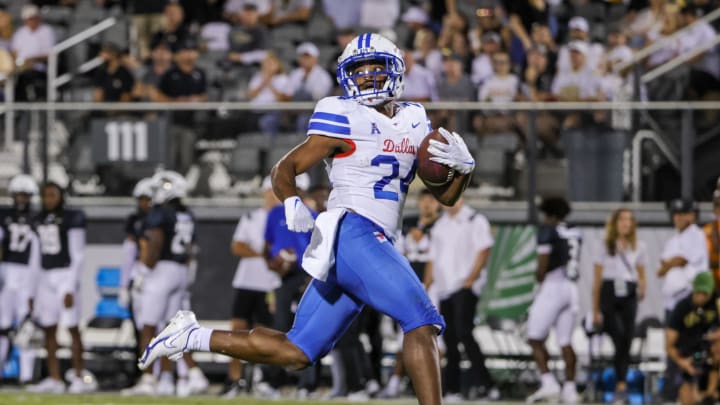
(19, 265)
(167, 240)
(61, 232)
(556, 302)
(131, 277)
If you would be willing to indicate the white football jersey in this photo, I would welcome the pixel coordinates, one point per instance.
(372, 178)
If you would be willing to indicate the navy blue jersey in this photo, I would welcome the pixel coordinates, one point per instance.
(178, 228)
(17, 228)
(562, 243)
(135, 225)
(52, 229)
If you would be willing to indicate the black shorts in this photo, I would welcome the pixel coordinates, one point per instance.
(251, 306)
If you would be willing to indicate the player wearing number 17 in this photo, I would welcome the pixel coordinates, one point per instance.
(370, 143)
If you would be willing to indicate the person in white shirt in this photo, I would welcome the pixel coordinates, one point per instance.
(309, 81)
(501, 87)
(252, 282)
(580, 83)
(460, 244)
(580, 31)
(618, 286)
(268, 86)
(30, 45)
(705, 72)
(420, 84)
(379, 14)
(685, 254)
(482, 65)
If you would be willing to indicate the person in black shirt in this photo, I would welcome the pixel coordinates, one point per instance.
(184, 82)
(19, 252)
(556, 303)
(692, 341)
(523, 13)
(113, 81)
(175, 32)
(248, 38)
(61, 232)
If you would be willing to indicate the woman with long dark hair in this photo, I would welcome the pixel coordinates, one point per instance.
(619, 285)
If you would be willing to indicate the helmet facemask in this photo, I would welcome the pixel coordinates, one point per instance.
(386, 77)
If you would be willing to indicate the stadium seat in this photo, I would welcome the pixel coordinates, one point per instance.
(244, 162)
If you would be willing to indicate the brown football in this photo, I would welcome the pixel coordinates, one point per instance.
(433, 174)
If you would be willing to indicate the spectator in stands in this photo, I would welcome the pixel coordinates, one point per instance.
(161, 60)
(419, 82)
(712, 236)
(379, 14)
(460, 279)
(113, 81)
(183, 83)
(269, 85)
(580, 31)
(296, 12)
(31, 44)
(537, 79)
(618, 85)
(248, 37)
(692, 342)
(146, 19)
(522, 15)
(233, 7)
(579, 83)
(617, 40)
(415, 19)
(344, 14)
(482, 65)
(454, 85)
(685, 254)
(705, 69)
(452, 23)
(669, 24)
(309, 81)
(6, 30)
(487, 21)
(7, 64)
(174, 31)
(644, 26)
(252, 282)
(427, 53)
(618, 286)
(459, 46)
(501, 87)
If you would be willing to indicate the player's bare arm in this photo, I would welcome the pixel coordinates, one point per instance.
(449, 193)
(543, 261)
(300, 159)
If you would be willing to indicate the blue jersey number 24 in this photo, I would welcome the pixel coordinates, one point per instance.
(391, 160)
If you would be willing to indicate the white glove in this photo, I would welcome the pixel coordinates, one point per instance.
(297, 215)
(453, 154)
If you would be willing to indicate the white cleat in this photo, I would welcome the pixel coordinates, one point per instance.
(546, 393)
(182, 388)
(165, 388)
(197, 381)
(570, 395)
(172, 341)
(145, 387)
(48, 386)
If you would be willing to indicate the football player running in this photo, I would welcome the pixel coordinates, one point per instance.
(61, 232)
(372, 143)
(20, 255)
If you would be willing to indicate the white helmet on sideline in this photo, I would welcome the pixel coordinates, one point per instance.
(371, 48)
(144, 188)
(23, 183)
(169, 185)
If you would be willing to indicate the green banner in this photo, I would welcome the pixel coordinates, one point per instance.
(511, 274)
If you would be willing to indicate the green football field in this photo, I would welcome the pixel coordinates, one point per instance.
(21, 398)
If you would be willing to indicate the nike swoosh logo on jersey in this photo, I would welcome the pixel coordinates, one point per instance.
(415, 124)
